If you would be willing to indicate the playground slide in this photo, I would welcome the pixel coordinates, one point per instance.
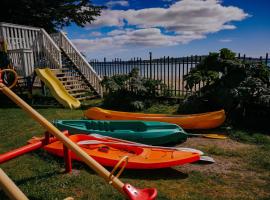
(57, 89)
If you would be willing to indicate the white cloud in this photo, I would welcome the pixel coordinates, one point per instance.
(108, 18)
(180, 23)
(187, 15)
(117, 32)
(115, 3)
(95, 34)
(225, 40)
(116, 39)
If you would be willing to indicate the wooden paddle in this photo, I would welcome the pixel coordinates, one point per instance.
(212, 136)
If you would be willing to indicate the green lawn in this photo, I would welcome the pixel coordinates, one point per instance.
(241, 171)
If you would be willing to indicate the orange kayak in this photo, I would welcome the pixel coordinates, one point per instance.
(206, 120)
(108, 151)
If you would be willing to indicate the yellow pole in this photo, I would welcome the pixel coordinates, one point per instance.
(66, 141)
(12, 191)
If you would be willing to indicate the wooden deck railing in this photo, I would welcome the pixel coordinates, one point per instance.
(33, 46)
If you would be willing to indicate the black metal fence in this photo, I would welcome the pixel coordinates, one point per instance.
(167, 69)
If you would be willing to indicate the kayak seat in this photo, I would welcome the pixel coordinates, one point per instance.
(103, 149)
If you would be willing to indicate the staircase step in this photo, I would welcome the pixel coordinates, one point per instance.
(78, 94)
(67, 74)
(87, 97)
(72, 85)
(74, 82)
(71, 81)
(76, 89)
(59, 74)
(69, 77)
(63, 69)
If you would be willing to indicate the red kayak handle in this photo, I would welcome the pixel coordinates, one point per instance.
(140, 194)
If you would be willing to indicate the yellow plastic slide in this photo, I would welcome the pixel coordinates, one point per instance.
(57, 89)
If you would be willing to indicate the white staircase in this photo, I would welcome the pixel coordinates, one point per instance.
(79, 61)
(30, 48)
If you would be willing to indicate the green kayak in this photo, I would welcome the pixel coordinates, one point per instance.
(153, 133)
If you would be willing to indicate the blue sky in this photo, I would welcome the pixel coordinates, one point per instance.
(133, 28)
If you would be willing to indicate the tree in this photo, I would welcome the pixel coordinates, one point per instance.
(49, 14)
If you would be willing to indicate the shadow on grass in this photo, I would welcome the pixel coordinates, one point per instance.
(36, 102)
(155, 174)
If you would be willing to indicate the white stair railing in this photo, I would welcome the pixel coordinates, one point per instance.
(79, 60)
(30, 47)
(51, 50)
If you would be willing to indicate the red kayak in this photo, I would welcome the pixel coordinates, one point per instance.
(108, 151)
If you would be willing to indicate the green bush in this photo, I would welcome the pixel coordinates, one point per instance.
(241, 88)
(131, 92)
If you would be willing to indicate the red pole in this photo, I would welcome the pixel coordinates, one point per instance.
(20, 151)
(29, 147)
(67, 157)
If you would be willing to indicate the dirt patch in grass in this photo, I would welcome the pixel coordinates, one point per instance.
(233, 173)
(228, 154)
(204, 143)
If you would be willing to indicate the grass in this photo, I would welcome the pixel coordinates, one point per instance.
(241, 170)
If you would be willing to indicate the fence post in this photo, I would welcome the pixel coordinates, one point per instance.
(187, 70)
(105, 66)
(138, 66)
(168, 72)
(196, 63)
(150, 62)
(164, 69)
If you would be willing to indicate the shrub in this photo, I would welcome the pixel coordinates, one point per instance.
(131, 92)
(241, 88)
